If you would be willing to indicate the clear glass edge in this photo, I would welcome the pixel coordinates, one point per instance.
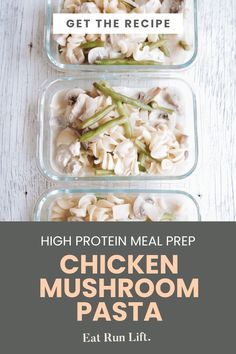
(54, 191)
(95, 68)
(53, 177)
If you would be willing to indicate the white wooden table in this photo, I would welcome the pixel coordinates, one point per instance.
(24, 67)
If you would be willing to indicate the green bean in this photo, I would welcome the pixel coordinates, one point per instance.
(142, 168)
(127, 126)
(142, 147)
(166, 110)
(92, 44)
(122, 98)
(97, 116)
(167, 217)
(142, 159)
(128, 5)
(104, 173)
(155, 105)
(184, 45)
(122, 61)
(158, 44)
(165, 51)
(101, 129)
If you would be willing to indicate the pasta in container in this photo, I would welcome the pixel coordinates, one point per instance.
(109, 206)
(103, 129)
(145, 51)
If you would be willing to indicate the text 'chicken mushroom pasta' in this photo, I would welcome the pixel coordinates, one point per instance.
(126, 49)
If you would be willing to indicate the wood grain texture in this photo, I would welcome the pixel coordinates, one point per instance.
(24, 67)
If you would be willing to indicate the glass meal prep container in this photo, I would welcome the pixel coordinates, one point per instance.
(121, 205)
(129, 157)
(169, 52)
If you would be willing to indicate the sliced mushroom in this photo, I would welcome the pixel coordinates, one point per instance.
(145, 53)
(152, 211)
(172, 6)
(58, 210)
(164, 116)
(74, 166)
(74, 55)
(150, 6)
(58, 213)
(89, 7)
(61, 39)
(100, 214)
(72, 95)
(63, 156)
(139, 208)
(77, 108)
(159, 152)
(91, 211)
(66, 203)
(79, 54)
(78, 212)
(166, 165)
(113, 199)
(71, 6)
(172, 98)
(66, 137)
(75, 148)
(87, 200)
(97, 54)
(151, 95)
(103, 203)
(176, 6)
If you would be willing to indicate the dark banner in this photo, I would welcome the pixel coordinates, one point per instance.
(112, 287)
